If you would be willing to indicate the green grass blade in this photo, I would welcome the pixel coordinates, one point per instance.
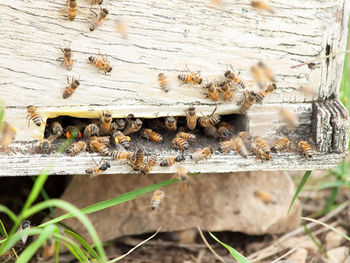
(45, 196)
(2, 112)
(300, 187)
(308, 232)
(11, 215)
(83, 242)
(234, 253)
(74, 253)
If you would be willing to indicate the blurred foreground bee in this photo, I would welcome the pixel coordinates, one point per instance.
(151, 162)
(138, 159)
(121, 29)
(98, 169)
(8, 134)
(99, 18)
(72, 86)
(76, 147)
(250, 97)
(119, 137)
(157, 197)
(132, 125)
(202, 154)
(48, 249)
(305, 149)
(193, 78)
(151, 135)
(261, 5)
(289, 118)
(211, 131)
(171, 160)
(99, 147)
(267, 72)
(163, 83)
(187, 136)
(261, 149)
(179, 143)
(101, 62)
(26, 224)
(191, 118)
(67, 58)
(182, 175)
(232, 77)
(281, 145)
(105, 123)
(119, 155)
(171, 123)
(33, 115)
(261, 95)
(264, 196)
(212, 92)
(91, 130)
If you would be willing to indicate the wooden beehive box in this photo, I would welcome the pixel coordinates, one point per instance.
(164, 36)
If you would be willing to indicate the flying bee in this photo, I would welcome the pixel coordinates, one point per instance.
(73, 131)
(225, 90)
(187, 136)
(101, 62)
(171, 123)
(105, 123)
(57, 128)
(73, 84)
(8, 135)
(98, 169)
(264, 196)
(261, 5)
(151, 135)
(132, 125)
(67, 58)
(267, 72)
(211, 131)
(182, 175)
(180, 143)
(193, 78)
(212, 92)
(99, 18)
(261, 95)
(259, 76)
(163, 82)
(281, 145)
(157, 197)
(289, 118)
(91, 130)
(151, 162)
(305, 149)
(120, 155)
(99, 147)
(118, 125)
(121, 28)
(232, 77)
(76, 147)
(33, 115)
(261, 149)
(48, 249)
(119, 137)
(250, 97)
(171, 161)
(202, 154)
(138, 159)
(191, 118)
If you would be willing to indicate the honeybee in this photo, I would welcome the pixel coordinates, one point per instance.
(305, 149)
(223, 133)
(99, 147)
(102, 139)
(72, 86)
(225, 90)
(91, 130)
(289, 118)
(171, 123)
(98, 169)
(182, 175)
(57, 128)
(211, 131)
(120, 155)
(250, 97)
(76, 147)
(33, 115)
(99, 18)
(179, 143)
(212, 92)
(8, 135)
(151, 135)
(118, 124)
(121, 29)
(187, 136)
(261, 95)
(49, 249)
(232, 77)
(191, 118)
(67, 58)
(163, 83)
(101, 62)
(96, 2)
(308, 91)
(202, 154)
(212, 119)
(259, 76)
(190, 78)
(119, 137)
(281, 145)
(151, 162)
(73, 131)
(261, 5)
(264, 196)
(261, 149)
(72, 7)
(26, 224)
(267, 72)
(105, 123)
(157, 197)
(171, 160)
(138, 159)
(45, 146)
(132, 126)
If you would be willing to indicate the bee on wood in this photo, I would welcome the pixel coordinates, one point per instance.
(118, 125)
(179, 143)
(99, 19)
(193, 78)
(73, 131)
(76, 147)
(99, 147)
(119, 155)
(132, 126)
(72, 8)
(67, 58)
(98, 169)
(151, 162)
(151, 135)
(305, 149)
(163, 82)
(33, 115)
(187, 136)
(45, 146)
(204, 153)
(281, 145)
(105, 123)
(211, 131)
(232, 77)
(8, 134)
(119, 137)
(48, 249)
(157, 198)
(227, 93)
(227, 146)
(96, 2)
(101, 62)
(57, 129)
(171, 123)
(261, 149)
(101, 139)
(182, 175)
(172, 160)
(261, 5)
(250, 98)
(191, 118)
(91, 130)
(212, 92)
(224, 131)
(138, 159)
(289, 118)
(264, 196)
(261, 95)
(212, 119)
(72, 86)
